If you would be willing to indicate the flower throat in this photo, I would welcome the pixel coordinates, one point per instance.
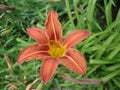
(56, 50)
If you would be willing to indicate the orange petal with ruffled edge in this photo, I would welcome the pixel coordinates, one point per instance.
(53, 27)
(75, 37)
(36, 51)
(74, 61)
(38, 35)
(48, 68)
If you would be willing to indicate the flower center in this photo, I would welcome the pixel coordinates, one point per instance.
(56, 50)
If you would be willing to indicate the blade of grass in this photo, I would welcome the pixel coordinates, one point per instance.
(116, 81)
(90, 13)
(108, 11)
(105, 44)
(110, 76)
(91, 70)
(94, 61)
(75, 2)
(113, 67)
(69, 13)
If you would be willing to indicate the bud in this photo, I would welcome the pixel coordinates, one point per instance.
(30, 86)
(8, 61)
(39, 87)
(25, 79)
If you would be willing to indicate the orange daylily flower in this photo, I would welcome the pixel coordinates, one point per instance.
(51, 49)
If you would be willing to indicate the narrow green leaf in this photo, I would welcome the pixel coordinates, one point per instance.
(110, 76)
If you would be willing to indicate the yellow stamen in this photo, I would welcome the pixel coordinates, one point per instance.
(56, 50)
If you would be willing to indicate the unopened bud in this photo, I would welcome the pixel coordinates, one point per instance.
(8, 61)
(39, 87)
(30, 86)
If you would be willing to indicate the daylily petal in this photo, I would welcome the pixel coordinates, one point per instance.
(48, 68)
(74, 61)
(36, 51)
(38, 34)
(53, 27)
(75, 37)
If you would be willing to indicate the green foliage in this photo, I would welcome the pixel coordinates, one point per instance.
(101, 49)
